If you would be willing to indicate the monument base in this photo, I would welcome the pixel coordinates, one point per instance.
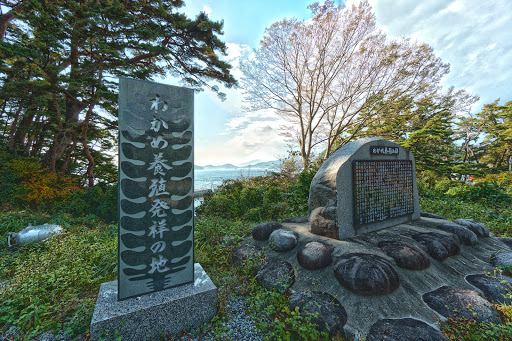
(165, 312)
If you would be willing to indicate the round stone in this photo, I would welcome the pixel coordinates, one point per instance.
(322, 222)
(366, 274)
(328, 310)
(502, 260)
(495, 289)
(315, 255)
(438, 246)
(506, 240)
(276, 275)
(406, 329)
(477, 228)
(242, 254)
(282, 240)
(454, 302)
(431, 215)
(406, 256)
(465, 235)
(262, 231)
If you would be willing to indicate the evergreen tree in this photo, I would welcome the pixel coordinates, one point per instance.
(60, 60)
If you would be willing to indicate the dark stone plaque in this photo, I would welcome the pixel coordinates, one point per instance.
(383, 189)
(382, 150)
(156, 185)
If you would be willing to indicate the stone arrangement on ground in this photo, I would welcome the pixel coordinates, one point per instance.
(369, 262)
(400, 279)
(159, 289)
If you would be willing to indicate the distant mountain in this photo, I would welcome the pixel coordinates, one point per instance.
(266, 165)
(250, 163)
(253, 164)
(226, 166)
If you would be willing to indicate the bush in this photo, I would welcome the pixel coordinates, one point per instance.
(271, 197)
(100, 200)
(26, 183)
(444, 186)
(502, 180)
(480, 191)
(53, 285)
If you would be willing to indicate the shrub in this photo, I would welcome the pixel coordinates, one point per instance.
(444, 186)
(480, 191)
(502, 180)
(100, 200)
(26, 183)
(271, 197)
(53, 285)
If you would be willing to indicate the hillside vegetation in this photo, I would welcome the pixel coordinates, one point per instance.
(52, 286)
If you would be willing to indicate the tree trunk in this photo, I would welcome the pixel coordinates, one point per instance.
(68, 154)
(21, 130)
(87, 152)
(64, 137)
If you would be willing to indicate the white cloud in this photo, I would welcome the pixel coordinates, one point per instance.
(255, 135)
(473, 36)
(207, 9)
(455, 6)
(243, 136)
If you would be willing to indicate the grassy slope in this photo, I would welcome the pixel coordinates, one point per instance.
(53, 285)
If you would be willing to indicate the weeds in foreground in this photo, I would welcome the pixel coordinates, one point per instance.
(470, 330)
(53, 285)
(277, 321)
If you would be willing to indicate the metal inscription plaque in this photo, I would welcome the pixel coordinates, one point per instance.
(156, 185)
(380, 150)
(382, 190)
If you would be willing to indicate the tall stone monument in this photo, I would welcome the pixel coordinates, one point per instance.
(366, 185)
(159, 288)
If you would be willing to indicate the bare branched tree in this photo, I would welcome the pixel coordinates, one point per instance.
(332, 75)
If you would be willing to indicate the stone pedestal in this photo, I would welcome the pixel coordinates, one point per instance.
(150, 316)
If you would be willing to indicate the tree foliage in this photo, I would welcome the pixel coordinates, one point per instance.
(335, 74)
(60, 60)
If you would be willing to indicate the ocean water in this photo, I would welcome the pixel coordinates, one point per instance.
(212, 178)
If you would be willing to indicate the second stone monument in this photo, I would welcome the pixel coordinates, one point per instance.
(366, 185)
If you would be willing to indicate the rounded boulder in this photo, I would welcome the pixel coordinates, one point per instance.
(242, 254)
(438, 246)
(315, 255)
(477, 228)
(406, 256)
(496, 290)
(406, 329)
(325, 309)
(366, 274)
(282, 240)
(262, 231)
(276, 275)
(454, 302)
(465, 235)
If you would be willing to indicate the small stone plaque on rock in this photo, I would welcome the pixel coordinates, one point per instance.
(156, 186)
(382, 190)
(366, 185)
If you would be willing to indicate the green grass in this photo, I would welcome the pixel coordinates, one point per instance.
(496, 216)
(52, 286)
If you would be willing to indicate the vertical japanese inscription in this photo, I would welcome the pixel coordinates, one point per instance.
(382, 190)
(155, 187)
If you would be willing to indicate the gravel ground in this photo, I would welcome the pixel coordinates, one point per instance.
(240, 327)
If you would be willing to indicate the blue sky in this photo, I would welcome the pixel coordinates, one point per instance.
(473, 36)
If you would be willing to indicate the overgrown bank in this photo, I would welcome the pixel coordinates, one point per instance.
(53, 285)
